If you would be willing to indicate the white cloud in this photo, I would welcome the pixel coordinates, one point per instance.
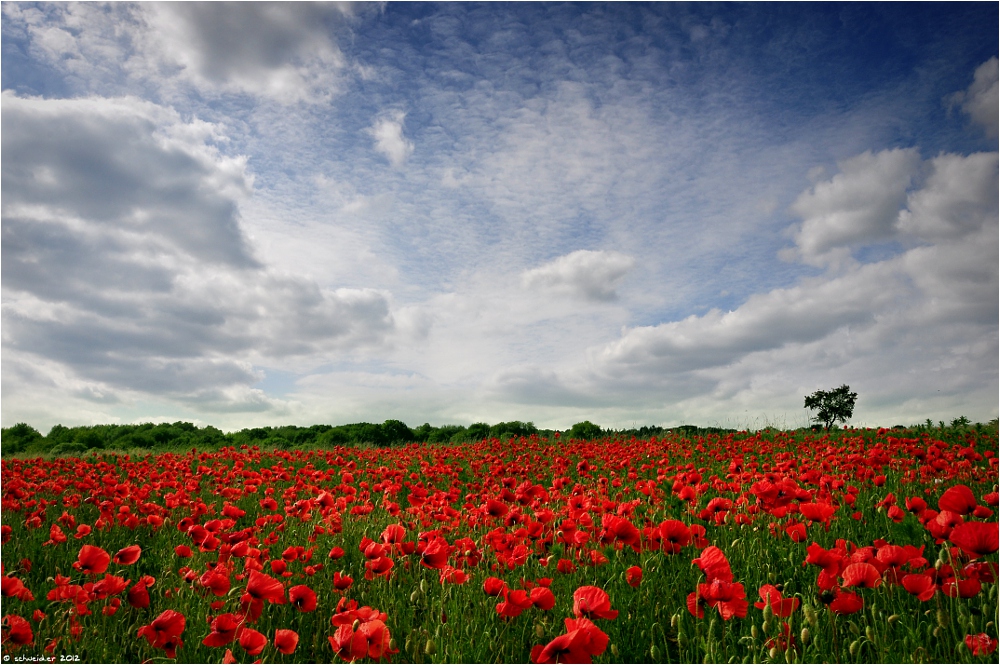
(125, 261)
(931, 309)
(389, 140)
(980, 100)
(584, 274)
(858, 206)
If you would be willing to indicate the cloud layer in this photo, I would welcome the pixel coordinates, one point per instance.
(283, 212)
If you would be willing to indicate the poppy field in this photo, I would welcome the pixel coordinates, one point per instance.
(849, 546)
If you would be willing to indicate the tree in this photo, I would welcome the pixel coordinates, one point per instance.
(585, 430)
(832, 405)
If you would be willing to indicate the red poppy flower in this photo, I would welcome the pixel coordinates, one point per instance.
(17, 631)
(261, 587)
(216, 580)
(342, 582)
(674, 535)
(976, 538)
(138, 595)
(796, 531)
(514, 603)
(128, 555)
(435, 554)
(543, 598)
(494, 586)
(223, 630)
(394, 534)
(252, 641)
(581, 642)
(958, 499)
(921, 586)
(14, 587)
(302, 597)
(981, 644)
(782, 607)
(862, 575)
(728, 598)
(92, 560)
(846, 602)
(714, 564)
(165, 632)
(286, 640)
(633, 576)
(565, 566)
(376, 638)
(183, 551)
(380, 567)
(348, 644)
(592, 602)
(336, 553)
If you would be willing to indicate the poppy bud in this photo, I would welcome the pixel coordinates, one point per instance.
(766, 627)
(654, 652)
(854, 627)
(810, 614)
(942, 618)
(415, 596)
(768, 613)
(789, 654)
(773, 652)
(937, 631)
(894, 618)
(423, 586)
(855, 647)
(674, 620)
(753, 631)
(354, 626)
(392, 644)
(869, 633)
(805, 636)
(430, 648)
(614, 650)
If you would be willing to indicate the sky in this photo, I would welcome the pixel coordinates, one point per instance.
(634, 214)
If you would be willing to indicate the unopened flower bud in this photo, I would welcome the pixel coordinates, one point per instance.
(430, 648)
(773, 652)
(614, 650)
(354, 626)
(768, 613)
(805, 636)
(423, 586)
(654, 653)
(855, 647)
(893, 618)
(539, 631)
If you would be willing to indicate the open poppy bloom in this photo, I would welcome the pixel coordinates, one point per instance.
(633, 576)
(846, 602)
(252, 641)
(592, 602)
(92, 560)
(514, 603)
(223, 630)
(581, 642)
(921, 586)
(285, 640)
(714, 564)
(782, 607)
(165, 632)
(976, 538)
(981, 644)
(303, 598)
(863, 575)
(728, 598)
(17, 631)
(128, 555)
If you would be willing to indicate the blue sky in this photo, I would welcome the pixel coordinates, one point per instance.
(629, 213)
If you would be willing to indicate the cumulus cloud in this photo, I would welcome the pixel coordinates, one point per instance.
(125, 260)
(932, 306)
(980, 100)
(584, 274)
(281, 51)
(856, 207)
(389, 140)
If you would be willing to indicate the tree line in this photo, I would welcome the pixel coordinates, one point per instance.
(61, 440)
